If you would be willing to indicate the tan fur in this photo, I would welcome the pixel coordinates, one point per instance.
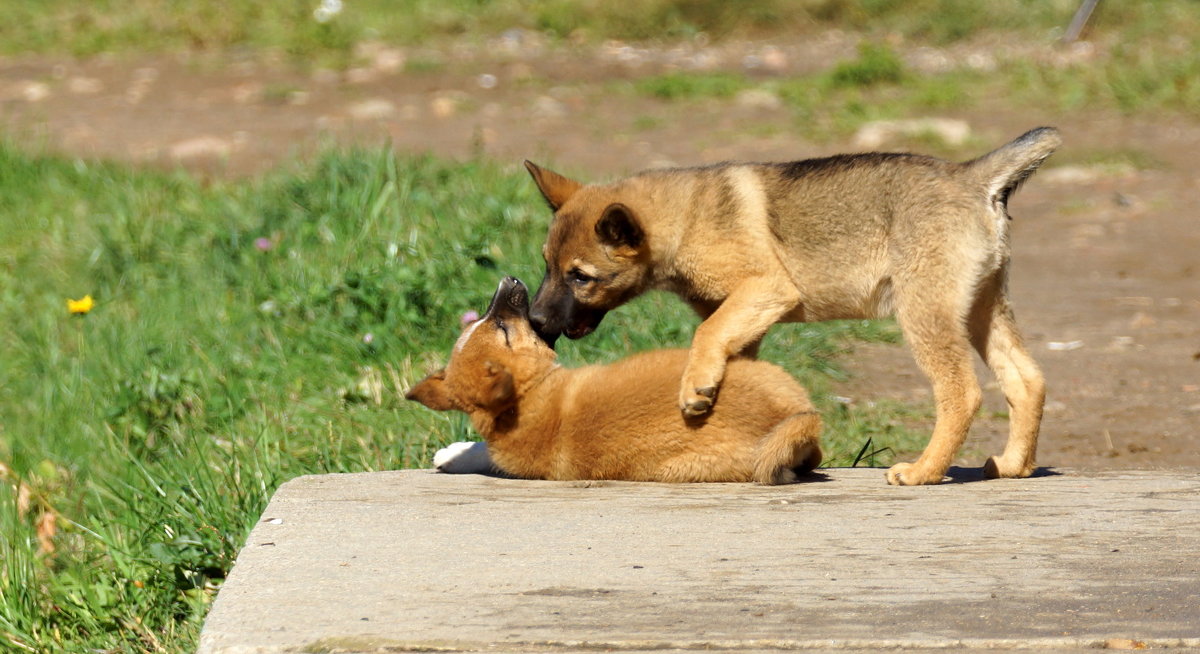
(854, 236)
(619, 421)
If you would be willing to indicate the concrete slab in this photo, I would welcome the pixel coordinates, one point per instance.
(421, 561)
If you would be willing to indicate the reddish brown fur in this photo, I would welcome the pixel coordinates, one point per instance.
(619, 421)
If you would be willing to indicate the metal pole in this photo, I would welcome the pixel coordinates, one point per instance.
(1079, 20)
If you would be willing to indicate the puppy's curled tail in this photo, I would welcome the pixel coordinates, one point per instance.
(1002, 171)
(793, 447)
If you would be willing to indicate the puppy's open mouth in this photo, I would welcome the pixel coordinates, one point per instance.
(578, 331)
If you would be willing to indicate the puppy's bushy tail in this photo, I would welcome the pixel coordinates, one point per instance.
(1003, 170)
(791, 448)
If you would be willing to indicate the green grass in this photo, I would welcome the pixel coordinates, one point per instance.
(215, 365)
(689, 86)
(831, 104)
(1133, 78)
(1149, 59)
(876, 85)
(875, 64)
(86, 28)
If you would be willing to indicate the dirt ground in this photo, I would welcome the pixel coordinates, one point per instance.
(1106, 265)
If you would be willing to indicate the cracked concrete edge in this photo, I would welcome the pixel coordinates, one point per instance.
(376, 645)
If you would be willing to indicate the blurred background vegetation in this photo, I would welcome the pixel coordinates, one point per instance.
(105, 26)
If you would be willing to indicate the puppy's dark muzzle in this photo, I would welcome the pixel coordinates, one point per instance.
(547, 328)
(556, 314)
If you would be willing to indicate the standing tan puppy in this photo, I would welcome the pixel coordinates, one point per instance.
(850, 236)
(543, 421)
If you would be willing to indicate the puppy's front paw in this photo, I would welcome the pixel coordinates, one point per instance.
(698, 402)
(463, 458)
(700, 383)
(908, 474)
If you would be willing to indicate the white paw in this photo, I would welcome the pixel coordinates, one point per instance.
(464, 458)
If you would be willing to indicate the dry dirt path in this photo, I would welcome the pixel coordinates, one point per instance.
(1106, 271)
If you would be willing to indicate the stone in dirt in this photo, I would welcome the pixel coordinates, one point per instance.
(876, 134)
(200, 147)
(374, 109)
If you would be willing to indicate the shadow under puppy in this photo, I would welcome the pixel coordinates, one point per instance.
(617, 421)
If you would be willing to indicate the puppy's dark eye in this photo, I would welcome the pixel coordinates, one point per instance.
(577, 276)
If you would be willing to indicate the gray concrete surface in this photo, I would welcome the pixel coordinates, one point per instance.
(421, 561)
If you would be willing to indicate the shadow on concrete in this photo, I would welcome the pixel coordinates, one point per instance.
(960, 475)
(957, 475)
(811, 477)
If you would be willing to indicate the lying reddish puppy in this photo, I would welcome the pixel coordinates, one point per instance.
(619, 421)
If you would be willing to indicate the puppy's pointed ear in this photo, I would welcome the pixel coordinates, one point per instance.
(554, 187)
(433, 393)
(499, 389)
(619, 229)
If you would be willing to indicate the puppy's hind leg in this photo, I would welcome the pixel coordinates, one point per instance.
(791, 448)
(939, 342)
(994, 335)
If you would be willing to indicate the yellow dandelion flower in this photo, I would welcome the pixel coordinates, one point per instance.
(80, 306)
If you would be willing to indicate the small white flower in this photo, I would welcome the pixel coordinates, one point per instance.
(327, 10)
(487, 81)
